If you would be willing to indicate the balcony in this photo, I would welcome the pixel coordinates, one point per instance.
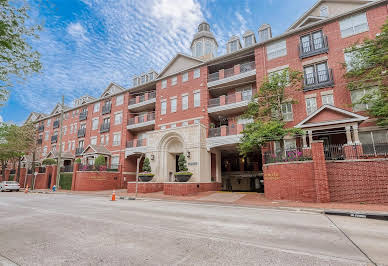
(54, 139)
(79, 151)
(314, 47)
(81, 132)
(83, 116)
(231, 104)
(39, 141)
(235, 74)
(224, 136)
(40, 128)
(56, 124)
(141, 122)
(318, 80)
(105, 127)
(135, 146)
(106, 108)
(142, 102)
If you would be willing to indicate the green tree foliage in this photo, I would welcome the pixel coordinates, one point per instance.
(78, 160)
(265, 110)
(15, 142)
(146, 165)
(367, 71)
(17, 57)
(182, 163)
(100, 161)
(49, 161)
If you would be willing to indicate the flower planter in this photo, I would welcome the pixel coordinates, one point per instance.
(184, 177)
(145, 177)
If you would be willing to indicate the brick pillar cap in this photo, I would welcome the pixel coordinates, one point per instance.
(317, 141)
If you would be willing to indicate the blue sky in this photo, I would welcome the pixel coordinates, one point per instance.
(86, 44)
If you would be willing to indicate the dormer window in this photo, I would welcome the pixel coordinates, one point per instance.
(233, 46)
(151, 76)
(143, 79)
(324, 11)
(248, 40)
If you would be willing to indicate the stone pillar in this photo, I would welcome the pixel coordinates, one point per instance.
(136, 118)
(73, 180)
(321, 181)
(355, 134)
(53, 176)
(304, 140)
(238, 96)
(348, 135)
(221, 74)
(146, 96)
(310, 137)
(137, 99)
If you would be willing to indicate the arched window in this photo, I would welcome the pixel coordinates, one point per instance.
(199, 48)
(208, 47)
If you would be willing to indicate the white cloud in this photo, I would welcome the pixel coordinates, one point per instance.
(1, 119)
(77, 31)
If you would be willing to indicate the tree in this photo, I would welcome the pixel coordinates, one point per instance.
(265, 111)
(17, 57)
(146, 165)
(367, 72)
(100, 161)
(182, 163)
(49, 161)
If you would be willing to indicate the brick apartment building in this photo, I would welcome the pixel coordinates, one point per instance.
(193, 106)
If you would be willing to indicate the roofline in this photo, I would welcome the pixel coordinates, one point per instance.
(173, 59)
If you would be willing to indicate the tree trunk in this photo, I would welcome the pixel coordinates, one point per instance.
(18, 173)
(3, 167)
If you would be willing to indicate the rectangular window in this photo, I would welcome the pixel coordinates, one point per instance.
(173, 105)
(233, 46)
(174, 80)
(315, 74)
(287, 112)
(311, 42)
(163, 127)
(46, 135)
(354, 25)
(164, 84)
(69, 145)
(63, 146)
(328, 99)
(93, 140)
(119, 99)
(64, 130)
(248, 41)
(186, 123)
(81, 144)
(96, 107)
(311, 105)
(73, 145)
(48, 122)
(102, 138)
(357, 95)
(44, 150)
(197, 73)
(95, 123)
(115, 162)
(163, 108)
(185, 77)
(185, 102)
(107, 140)
(197, 99)
(54, 147)
(75, 127)
(276, 49)
(71, 129)
(197, 121)
(116, 139)
(118, 118)
(173, 126)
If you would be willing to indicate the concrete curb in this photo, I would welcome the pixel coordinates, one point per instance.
(356, 214)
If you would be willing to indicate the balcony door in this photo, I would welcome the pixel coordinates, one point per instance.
(312, 42)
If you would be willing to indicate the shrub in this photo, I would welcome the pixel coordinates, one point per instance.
(182, 163)
(11, 177)
(146, 165)
(49, 161)
(65, 181)
(100, 161)
(78, 160)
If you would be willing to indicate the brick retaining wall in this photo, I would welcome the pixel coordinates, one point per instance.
(144, 187)
(184, 189)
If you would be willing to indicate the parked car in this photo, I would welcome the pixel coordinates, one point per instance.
(9, 185)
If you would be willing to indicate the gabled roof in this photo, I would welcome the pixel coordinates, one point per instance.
(112, 89)
(34, 116)
(311, 15)
(96, 149)
(57, 109)
(330, 115)
(178, 63)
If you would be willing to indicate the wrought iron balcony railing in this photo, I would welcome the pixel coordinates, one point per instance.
(313, 47)
(318, 80)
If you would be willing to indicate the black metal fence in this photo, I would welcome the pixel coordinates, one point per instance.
(92, 168)
(355, 151)
(67, 169)
(287, 155)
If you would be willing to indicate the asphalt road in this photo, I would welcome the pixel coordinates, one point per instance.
(47, 229)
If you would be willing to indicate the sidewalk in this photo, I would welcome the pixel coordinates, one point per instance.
(250, 199)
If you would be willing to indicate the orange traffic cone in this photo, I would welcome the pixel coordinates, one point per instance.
(113, 195)
(26, 189)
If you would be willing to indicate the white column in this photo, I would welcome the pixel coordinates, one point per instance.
(355, 134)
(348, 135)
(304, 139)
(310, 137)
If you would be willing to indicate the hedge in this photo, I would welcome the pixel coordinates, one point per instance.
(11, 178)
(65, 181)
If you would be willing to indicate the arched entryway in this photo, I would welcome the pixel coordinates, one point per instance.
(171, 147)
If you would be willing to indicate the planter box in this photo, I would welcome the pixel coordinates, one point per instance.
(145, 177)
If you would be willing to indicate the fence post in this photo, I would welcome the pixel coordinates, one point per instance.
(54, 176)
(73, 179)
(320, 172)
